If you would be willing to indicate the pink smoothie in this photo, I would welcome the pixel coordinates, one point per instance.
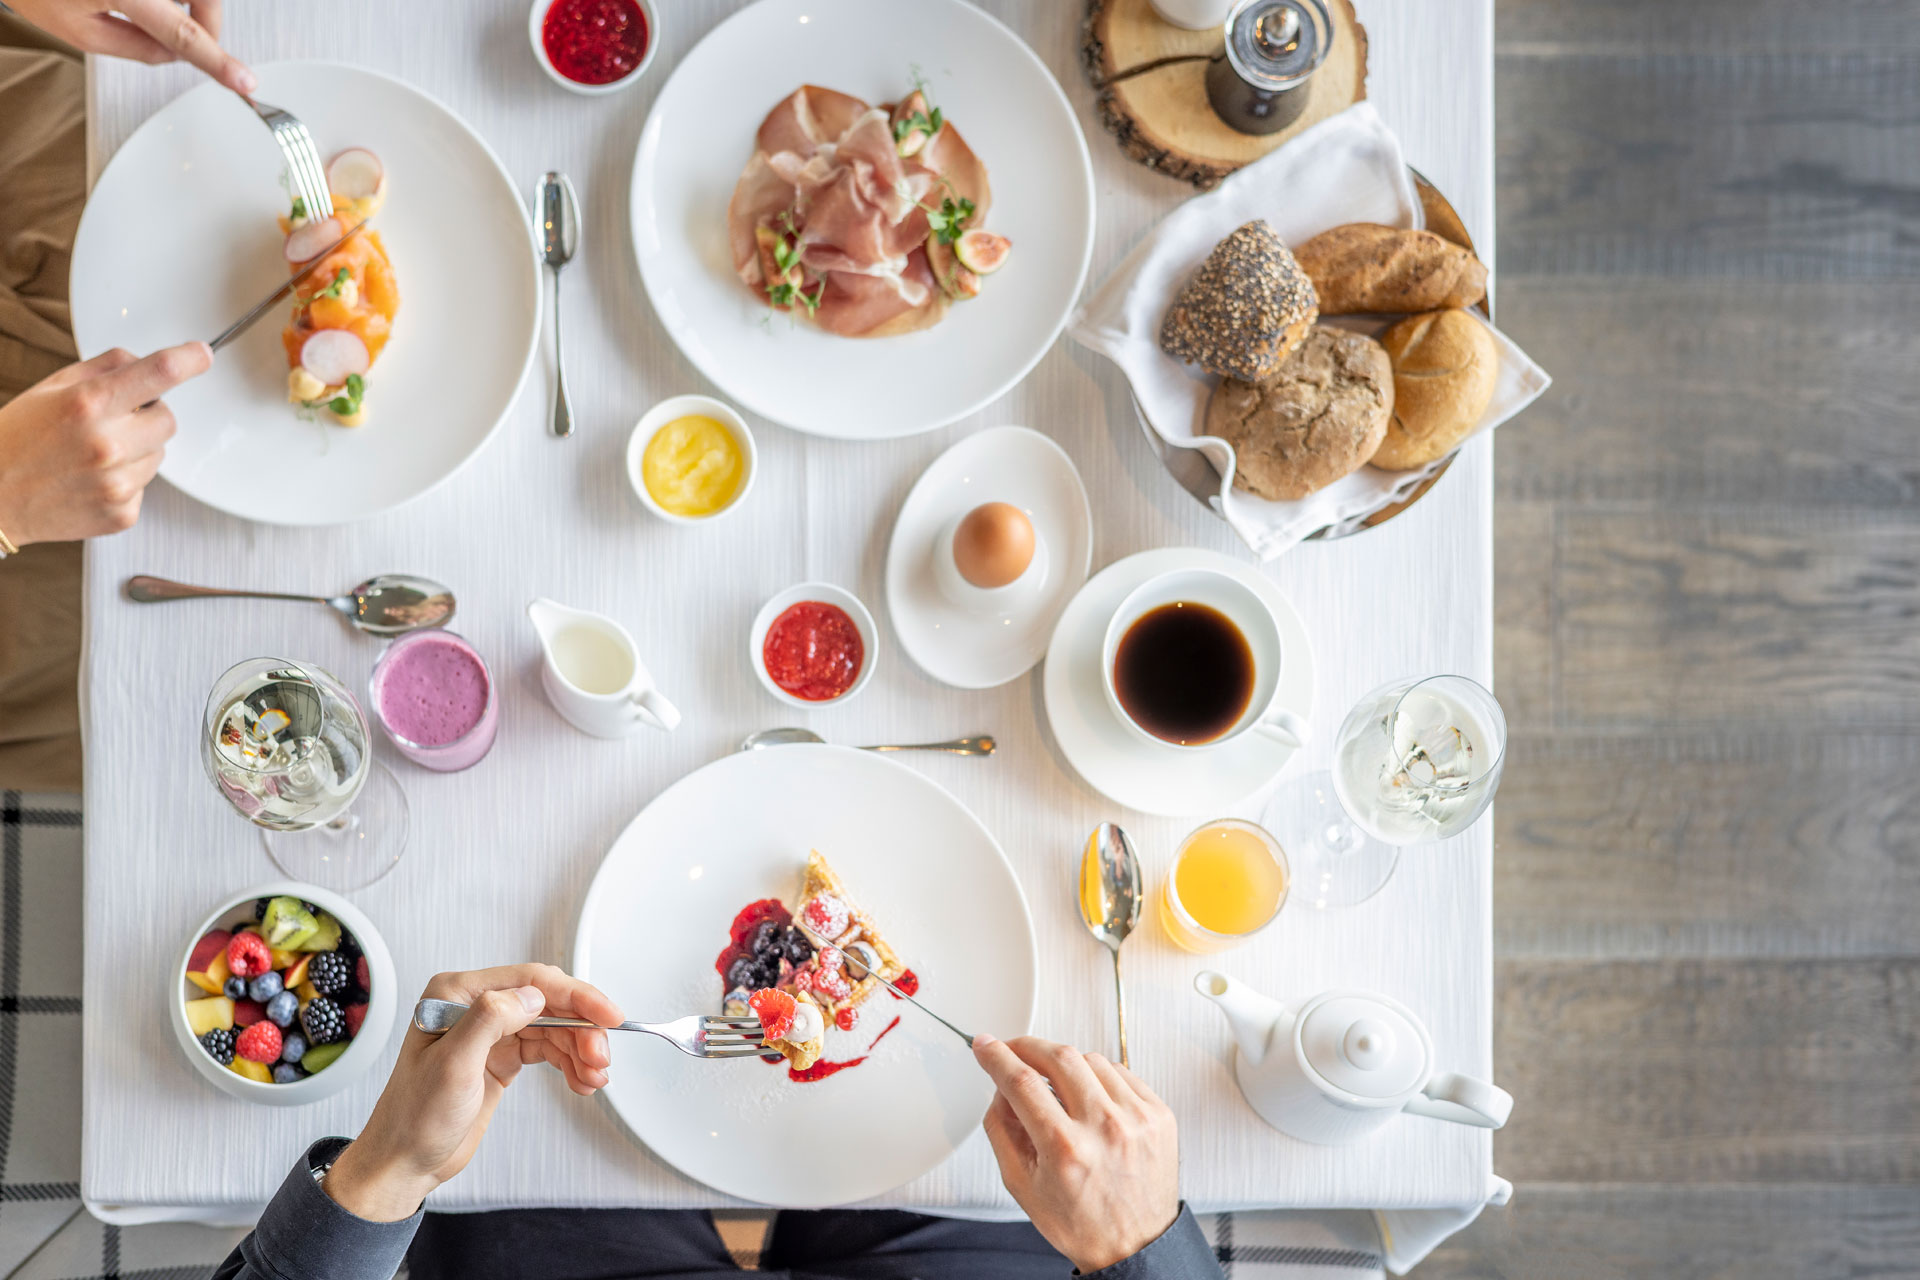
(435, 698)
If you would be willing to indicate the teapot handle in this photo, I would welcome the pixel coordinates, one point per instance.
(1463, 1100)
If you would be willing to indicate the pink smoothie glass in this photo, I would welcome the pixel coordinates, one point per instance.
(433, 694)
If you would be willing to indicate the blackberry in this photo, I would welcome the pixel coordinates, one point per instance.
(219, 1045)
(260, 909)
(311, 909)
(235, 989)
(765, 938)
(323, 1021)
(741, 972)
(796, 947)
(329, 972)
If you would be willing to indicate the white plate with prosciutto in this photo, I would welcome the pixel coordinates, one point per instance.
(862, 219)
(697, 909)
(397, 356)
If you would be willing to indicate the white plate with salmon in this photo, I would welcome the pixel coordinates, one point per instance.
(399, 353)
(881, 224)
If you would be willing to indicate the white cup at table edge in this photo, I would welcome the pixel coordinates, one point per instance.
(1256, 624)
(682, 406)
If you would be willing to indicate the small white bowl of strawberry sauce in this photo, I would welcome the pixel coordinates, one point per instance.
(813, 645)
(594, 46)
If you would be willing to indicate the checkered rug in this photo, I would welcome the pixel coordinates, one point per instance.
(45, 1234)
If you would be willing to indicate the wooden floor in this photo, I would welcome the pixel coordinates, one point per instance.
(1708, 563)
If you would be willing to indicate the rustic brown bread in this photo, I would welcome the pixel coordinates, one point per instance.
(1247, 306)
(1444, 368)
(1319, 417)
(1364, 266)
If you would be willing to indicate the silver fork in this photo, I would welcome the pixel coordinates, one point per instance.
(305, 174)
(700, 1035)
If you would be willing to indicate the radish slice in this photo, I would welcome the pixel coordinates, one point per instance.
(332, 354)
(356, 173)
(308, 242)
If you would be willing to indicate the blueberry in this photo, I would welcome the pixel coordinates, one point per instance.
(265, 987)
(740, 972)
(292, 1047)
(236, 988)
(798, 949)
(286, 1073)
(765, 937)
(283, 1009)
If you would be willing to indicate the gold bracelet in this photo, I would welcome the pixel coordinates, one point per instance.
(6, 547)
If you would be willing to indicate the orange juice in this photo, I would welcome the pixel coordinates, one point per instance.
(1229, 880)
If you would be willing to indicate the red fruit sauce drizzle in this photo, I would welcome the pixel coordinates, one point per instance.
(822, 1069)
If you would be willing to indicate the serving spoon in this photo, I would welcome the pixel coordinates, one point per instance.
(389, 604)
(1110, 903)
(981, 746)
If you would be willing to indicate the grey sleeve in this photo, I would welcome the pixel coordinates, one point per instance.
(1180, 1253)
(304, 1235)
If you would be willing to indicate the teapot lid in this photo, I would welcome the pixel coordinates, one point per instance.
(1366, 1046)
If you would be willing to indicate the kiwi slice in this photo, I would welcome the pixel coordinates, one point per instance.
(287, 925)
(325, 937)
(321, 1056)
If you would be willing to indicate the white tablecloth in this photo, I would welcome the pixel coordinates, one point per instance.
(502, 854)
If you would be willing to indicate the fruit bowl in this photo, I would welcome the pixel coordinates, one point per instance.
(202, 1000)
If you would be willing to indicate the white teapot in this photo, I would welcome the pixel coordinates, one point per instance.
(1334, 1067)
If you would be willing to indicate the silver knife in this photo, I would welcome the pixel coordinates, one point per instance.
(246, 321)
(849, 954)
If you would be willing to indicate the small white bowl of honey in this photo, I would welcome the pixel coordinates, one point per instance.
(691, 458)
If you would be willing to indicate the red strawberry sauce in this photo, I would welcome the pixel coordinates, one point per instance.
(814, 651)
(594, 41)
(822, 1069)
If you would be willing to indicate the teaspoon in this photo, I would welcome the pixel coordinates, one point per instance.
(1110, 903)
(981, 746)
(387, 605)
(559, 228)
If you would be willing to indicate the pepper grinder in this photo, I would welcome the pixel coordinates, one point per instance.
(1260, 85)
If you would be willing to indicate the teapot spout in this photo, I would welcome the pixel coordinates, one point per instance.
(1253, 1017)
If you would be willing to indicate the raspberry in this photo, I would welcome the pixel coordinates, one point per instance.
(259, 1043)
(846, 1018)
(248, 956)
(776, 1012)
(826, 915)
(360, 974)
(355, 1014)
(803, 980)
(830, 980)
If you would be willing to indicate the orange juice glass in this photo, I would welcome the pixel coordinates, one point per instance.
(1229, 880)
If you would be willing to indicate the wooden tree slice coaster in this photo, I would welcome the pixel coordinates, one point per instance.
(1150, 78)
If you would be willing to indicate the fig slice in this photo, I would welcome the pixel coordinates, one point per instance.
(982, 251)
(915, 139)
(332, 354)
(310, 240)
(954, 280)
(356, 173)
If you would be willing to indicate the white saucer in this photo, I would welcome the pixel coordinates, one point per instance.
(977, 650)
(1169, 782)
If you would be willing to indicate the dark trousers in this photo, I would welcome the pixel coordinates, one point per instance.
(682, 1244)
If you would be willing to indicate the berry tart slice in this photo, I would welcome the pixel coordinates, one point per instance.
(792, 1023)
(830, 912)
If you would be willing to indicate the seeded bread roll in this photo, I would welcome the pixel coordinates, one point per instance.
(1444, 369)
(1364, 266)
(1245, 309)
(1318, 418)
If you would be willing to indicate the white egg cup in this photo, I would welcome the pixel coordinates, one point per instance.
(361, 1052)
(1016, 597)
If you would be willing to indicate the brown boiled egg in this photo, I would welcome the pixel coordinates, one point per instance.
(993, 545)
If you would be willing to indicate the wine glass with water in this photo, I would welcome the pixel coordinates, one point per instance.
(288, 746)
(1415, 761)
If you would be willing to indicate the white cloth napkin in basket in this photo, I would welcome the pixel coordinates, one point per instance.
(1347, 168)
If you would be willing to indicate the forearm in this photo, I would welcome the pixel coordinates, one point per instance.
(305, 1235)
(1180, 1253)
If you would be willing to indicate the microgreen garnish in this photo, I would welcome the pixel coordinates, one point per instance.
(785, 256)
(349, 404)
(950, 220)
(928, 122)
(299, 206)
(340, 278)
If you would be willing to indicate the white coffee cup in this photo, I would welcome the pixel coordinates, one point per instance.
(1249, 615)
(1194, 15)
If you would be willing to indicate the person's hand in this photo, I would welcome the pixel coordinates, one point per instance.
(444, 1088)
(1094, 1160)
(149, 31)
(78, 448)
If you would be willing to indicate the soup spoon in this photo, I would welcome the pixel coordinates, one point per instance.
(387, 605)
(982, 746)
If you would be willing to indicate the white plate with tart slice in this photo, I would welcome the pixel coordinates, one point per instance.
(877, 227)
(400, 354)
(695, 903)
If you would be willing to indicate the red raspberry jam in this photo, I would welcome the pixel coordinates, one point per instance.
(594, 41)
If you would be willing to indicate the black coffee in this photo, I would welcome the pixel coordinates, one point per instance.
(1184, 673)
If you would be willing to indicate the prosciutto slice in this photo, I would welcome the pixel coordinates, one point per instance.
(827, 182)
